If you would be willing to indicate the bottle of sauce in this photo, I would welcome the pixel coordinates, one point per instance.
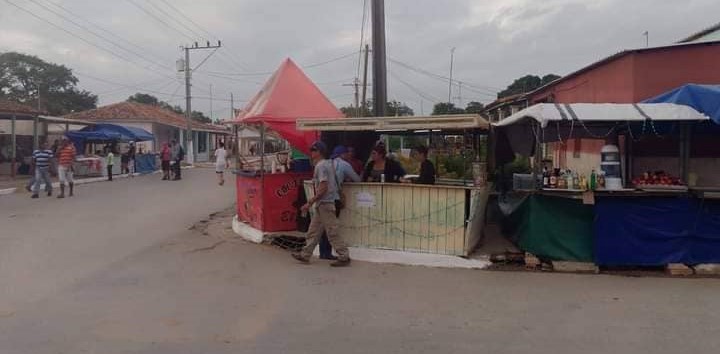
(601, 180)
(546, 178)
(576, 180)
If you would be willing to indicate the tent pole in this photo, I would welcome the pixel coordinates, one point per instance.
(538, 155)
(684, 152)
(36, 143)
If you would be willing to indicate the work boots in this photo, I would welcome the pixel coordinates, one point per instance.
(62, 192)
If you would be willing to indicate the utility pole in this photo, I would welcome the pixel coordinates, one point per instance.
(211, 99)
(460, 102)
(647, 38)
(190, 153)
(379, 60)
(365, 83)
(356, 86)
(232, 106)
(452, 59)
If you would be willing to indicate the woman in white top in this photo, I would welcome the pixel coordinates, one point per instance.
(221, 163)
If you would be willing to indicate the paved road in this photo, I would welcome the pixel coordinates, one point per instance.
(127, 277)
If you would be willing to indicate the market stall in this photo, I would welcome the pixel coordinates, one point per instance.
(445, 218)
(268, 191)
(633, 206)
(89, 163)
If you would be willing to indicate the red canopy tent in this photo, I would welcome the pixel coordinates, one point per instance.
(287, 96)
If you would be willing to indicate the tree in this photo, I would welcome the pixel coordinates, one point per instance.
(144, 99)
(24, 78)
(392, 108)
(527, 83)
(200, 117)
(474, 107)
(446, 108)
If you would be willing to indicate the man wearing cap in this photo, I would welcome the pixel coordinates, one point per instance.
(344, 172)
(326, 193)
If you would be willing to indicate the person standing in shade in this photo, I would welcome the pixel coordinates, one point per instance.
(42, 160)
(177, 156)
(427, 169)
(165, 161)
(381, 168)
(110, 162)
(131, 159)
(221, 163)
(350, 157)
(344, 173)
(325, 219)
(65, 169)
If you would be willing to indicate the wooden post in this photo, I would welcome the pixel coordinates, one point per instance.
(36, 142)
(13, 148)
(684, 152)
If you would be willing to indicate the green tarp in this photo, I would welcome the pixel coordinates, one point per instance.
(556, 228)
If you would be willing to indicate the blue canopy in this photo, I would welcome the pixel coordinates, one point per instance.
(704, 98)
(110, 132)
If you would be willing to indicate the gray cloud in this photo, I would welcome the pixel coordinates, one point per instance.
(496, 41)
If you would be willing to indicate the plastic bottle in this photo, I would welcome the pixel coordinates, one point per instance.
(593, 180)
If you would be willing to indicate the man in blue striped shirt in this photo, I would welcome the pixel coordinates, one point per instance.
(42, 158)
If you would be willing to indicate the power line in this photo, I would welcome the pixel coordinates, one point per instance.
(414, 89)
(158, 19)
(120, 56)
(91, 23)
(471, 87)
(85, 28)
(308, 66)
(186, 17)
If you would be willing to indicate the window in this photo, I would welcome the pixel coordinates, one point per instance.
(202, 138)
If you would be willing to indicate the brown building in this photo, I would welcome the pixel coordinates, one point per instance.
(164, 124)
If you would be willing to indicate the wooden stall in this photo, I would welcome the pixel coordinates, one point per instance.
(443, 218)
(410, 217)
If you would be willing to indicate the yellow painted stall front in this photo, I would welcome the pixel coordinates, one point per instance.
(433, 219)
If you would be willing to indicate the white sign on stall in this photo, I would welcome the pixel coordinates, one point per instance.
(365, 200)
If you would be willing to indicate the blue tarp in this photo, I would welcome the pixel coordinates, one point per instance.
(656, 231)
(105, 133)
(704, 98)
(145, 163)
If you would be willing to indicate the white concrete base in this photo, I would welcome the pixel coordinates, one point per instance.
(246, 231)
(414, 259)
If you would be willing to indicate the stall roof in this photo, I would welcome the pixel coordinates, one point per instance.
(288, 95)
(603, 112)
(703, 98)
(380, 124)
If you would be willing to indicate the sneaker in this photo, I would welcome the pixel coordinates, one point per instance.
(300, 258)
(329, 258)
(35, 196)
(341, 263)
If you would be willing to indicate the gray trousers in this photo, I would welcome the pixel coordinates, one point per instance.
(42, 175)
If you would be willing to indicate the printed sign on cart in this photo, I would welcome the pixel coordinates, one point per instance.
(365, 200)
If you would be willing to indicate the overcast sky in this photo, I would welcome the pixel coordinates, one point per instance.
(496, 40)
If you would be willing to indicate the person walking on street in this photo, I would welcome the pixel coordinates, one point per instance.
(65, 169)
(325, 219)
(344, 172)
(110, 162)
(221, 163)
(165, 161)
(42, 159)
